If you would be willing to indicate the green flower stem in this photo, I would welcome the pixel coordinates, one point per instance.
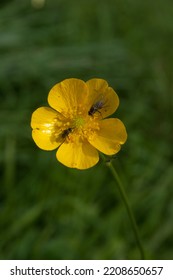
(128, 208)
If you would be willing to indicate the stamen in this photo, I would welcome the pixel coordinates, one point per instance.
(79, 122)
(78, 126)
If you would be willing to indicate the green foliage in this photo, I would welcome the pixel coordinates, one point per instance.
(47, 210)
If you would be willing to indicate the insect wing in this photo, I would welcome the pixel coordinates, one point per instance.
(100, 103)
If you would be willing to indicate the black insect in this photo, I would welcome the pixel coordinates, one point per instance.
(96, 107)
(66, 132)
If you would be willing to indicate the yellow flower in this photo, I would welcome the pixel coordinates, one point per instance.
(76, 123)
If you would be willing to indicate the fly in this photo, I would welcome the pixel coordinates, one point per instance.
(97, 106)
(66, 132)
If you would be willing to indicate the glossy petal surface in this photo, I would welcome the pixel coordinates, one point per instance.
(77, 155)
(101, 93)
(42, 122)
(68, 95)
(110, 137)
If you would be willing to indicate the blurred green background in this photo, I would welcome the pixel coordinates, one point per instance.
(48, 211)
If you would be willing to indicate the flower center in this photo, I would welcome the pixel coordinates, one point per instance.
(84, 129)
(79, 122)
(74, 129)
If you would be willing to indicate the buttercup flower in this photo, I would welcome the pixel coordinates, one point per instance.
(76, 124)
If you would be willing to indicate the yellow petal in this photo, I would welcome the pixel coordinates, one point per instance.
(42, 122)
(68, 95)
(77, 155)
(43, 117)
(101, 94)
(44, 139)
(110, 137)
